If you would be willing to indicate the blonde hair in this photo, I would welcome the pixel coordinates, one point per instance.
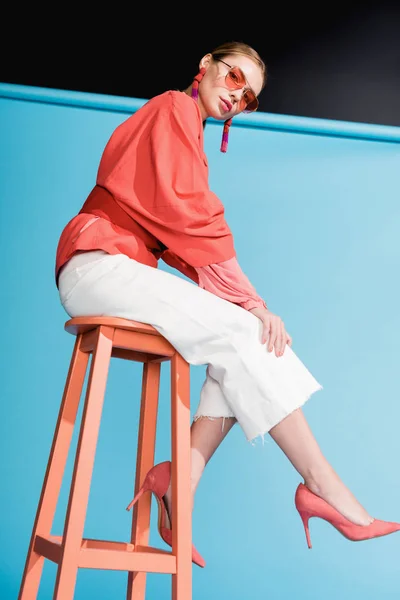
(240, 48)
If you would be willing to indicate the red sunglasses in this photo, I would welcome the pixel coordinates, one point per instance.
(235, 79)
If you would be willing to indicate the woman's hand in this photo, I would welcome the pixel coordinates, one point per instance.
(274, 329)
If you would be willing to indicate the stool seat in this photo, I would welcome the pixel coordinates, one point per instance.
(101, 338)
(79, 325)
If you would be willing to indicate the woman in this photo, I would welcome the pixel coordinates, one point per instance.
(152, 200)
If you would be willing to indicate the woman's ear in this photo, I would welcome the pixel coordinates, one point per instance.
(205, 61)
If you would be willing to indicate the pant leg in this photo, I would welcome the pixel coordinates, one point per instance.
(258, 388)
(212, 404)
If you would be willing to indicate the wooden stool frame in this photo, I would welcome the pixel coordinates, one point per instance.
(104, 338)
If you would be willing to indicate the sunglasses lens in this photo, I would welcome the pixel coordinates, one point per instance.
(251, 102)
(235, 78)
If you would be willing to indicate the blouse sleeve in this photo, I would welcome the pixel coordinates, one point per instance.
(227, 280)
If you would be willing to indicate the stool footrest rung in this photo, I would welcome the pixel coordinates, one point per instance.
(135, 356)
(111, 555)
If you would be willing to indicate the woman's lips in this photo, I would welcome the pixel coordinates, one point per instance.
(226, 104)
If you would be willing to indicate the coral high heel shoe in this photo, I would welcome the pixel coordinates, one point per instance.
(157, 481)
(310, 505)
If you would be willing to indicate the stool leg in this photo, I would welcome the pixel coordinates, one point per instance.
(55, 470)
(181, 478)
(136, 588)
(83, 468)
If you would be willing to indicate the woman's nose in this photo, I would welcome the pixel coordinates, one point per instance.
(235, 95)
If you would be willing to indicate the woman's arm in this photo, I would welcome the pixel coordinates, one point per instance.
(227, 280)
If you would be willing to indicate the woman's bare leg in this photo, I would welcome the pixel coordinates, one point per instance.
(295, 438)
(206, 436)
(293, 435)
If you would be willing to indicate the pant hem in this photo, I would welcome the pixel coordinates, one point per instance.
(253, 438)
(196, 417)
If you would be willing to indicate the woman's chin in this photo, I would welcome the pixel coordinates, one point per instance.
(219, 116)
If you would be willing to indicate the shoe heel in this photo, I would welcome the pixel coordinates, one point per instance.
(305, 518)
(143, 489)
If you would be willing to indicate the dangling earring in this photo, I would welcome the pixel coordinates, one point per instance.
(225, 135)
(196, 81)
(195, 95)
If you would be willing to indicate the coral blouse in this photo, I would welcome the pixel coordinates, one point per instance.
(152, 200)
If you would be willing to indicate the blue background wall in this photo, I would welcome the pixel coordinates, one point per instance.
(314, 208)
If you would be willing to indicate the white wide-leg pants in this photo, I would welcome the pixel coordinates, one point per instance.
(243, 379)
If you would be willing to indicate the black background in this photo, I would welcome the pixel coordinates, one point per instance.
(330, 61)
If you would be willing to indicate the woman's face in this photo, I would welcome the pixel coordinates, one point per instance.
(216, 100)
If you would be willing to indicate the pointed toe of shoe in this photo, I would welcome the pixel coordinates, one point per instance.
(385, 527)
(166, 535)
(377, 528)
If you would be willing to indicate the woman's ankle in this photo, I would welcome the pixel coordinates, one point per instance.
(321, 479)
